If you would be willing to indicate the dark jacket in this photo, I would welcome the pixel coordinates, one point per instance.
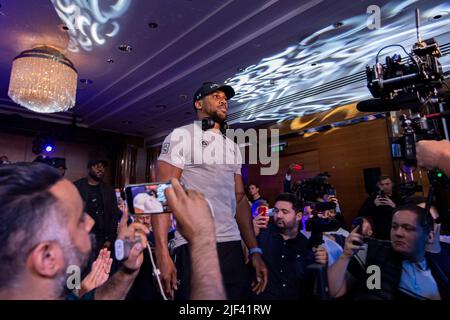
(381, 215)
(380, 253)
(287, 262)
(108, 225)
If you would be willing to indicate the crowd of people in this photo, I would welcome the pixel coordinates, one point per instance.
(57, 238)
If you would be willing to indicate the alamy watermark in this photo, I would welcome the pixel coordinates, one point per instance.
(374, 20)
(196, 146)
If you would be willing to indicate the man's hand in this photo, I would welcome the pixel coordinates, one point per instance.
(260, 222)
(320, 255)
(136, 257)
(168, 273)
(384, 201)
(353, 243)
(123, 223)
(430, 153)
(260, 283)
(99, 272)
(196, 224)
(194, 219)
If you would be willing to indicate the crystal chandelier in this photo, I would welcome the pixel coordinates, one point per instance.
(43, 80)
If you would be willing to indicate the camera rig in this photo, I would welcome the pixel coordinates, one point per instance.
(412, 85)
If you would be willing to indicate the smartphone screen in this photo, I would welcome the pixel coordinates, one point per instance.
(147, 198)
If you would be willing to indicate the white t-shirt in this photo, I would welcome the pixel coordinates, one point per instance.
(209, 162)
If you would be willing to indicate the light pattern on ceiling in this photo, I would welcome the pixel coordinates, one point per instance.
(330, 54)
(90, 23)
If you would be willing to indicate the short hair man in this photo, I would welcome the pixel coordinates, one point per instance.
(286, 252)
(380, 205)
(253, 190)
(100, 203)
(406, 269)
(60, 165)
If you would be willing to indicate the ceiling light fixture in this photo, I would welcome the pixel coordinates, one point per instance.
(153, 25)
(43, 80)
(110, 60)
(64, 27)
(337, 25)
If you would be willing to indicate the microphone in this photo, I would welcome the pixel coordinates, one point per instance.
(376, 105)
(399, 102)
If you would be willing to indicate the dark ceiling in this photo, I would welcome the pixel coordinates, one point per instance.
(273, 52)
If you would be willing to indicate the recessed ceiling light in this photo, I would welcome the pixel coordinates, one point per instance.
(240, 69)
(161, 106)
(125, 48)
(338, 24)
(64, 27)
(313, 64)
(153, 25)
(110, 60)
(86, 81)
(127, 122)
(438, 16)
(183, 97)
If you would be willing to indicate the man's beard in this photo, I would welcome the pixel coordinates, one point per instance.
(95, 177)
(218, 119)
(73, 257)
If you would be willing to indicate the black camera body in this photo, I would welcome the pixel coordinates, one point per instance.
(422, 74)
(318, 226)
(313, 188)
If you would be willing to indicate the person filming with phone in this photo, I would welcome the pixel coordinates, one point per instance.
(400, 269)
(380, 205)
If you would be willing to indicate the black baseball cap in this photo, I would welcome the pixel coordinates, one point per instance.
(59, 162)
(209, 87)
(93, 162)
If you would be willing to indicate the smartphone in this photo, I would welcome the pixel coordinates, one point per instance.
(147, 198)
(263, 210)
(324, 206)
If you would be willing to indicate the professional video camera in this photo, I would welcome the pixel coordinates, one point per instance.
(318, 225)
(313, 188)
(413, 85)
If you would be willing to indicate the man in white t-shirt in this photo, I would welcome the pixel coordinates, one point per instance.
(203, 158)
